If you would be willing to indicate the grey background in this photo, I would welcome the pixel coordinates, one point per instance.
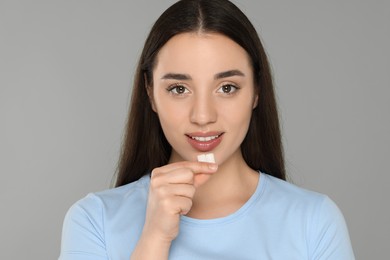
(66, 71)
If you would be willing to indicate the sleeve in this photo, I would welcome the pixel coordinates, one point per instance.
(83, 231)
(329, 238)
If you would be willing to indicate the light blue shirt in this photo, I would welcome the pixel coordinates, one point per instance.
(279, 221)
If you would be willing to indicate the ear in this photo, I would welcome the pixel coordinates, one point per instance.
(149, 91)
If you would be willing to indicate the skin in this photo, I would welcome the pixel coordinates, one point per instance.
(203, 83)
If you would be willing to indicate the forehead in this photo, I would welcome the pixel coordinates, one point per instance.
(202, 53)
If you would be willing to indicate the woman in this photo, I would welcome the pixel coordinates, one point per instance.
(203, 86)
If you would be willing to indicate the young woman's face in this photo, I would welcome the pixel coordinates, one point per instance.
(203, 93)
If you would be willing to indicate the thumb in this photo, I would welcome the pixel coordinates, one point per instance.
(202, 178)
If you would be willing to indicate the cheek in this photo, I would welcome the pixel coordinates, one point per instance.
(239, 120)
(171, 116)
(237, 113)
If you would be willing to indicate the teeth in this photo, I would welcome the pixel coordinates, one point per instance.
(204, 139)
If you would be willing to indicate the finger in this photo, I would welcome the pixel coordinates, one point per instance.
(181, 172)
(183, 176)
(177, 176)
(195, 167)
(182, 205)
(201, 179)
(170, 190)
(183, 190)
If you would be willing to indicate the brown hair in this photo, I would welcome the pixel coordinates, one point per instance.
(145, 146)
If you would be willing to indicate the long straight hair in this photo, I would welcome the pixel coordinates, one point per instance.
(145, 146)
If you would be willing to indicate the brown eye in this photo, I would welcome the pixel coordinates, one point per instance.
(178, 90)
(227, 89)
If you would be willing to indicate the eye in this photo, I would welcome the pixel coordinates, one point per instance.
(227, 89)
(178, 90)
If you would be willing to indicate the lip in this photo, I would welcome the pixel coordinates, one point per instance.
(204, 145)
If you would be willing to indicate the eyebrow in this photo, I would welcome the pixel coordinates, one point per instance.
(229, 73)
(220, 75)
(177, 76)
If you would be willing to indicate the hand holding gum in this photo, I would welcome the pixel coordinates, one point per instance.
(209, 157)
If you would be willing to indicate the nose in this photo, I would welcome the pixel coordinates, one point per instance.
(203, 111)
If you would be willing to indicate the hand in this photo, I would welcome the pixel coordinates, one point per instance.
(172, 188)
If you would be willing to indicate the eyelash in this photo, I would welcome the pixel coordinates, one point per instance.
(173, 89)
(232, 86)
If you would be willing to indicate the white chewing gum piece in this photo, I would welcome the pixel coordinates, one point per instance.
(210, 158)
(206, 158)
(201, 158)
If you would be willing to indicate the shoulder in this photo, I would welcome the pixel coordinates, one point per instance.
(291, 193)
(315, 206)
(113, 198)
(95, 207)
(310, 208)
(125, 192)
(90, 221)
(319, 217)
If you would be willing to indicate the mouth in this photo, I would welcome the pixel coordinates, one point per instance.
(204, 142)
(204, 138)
